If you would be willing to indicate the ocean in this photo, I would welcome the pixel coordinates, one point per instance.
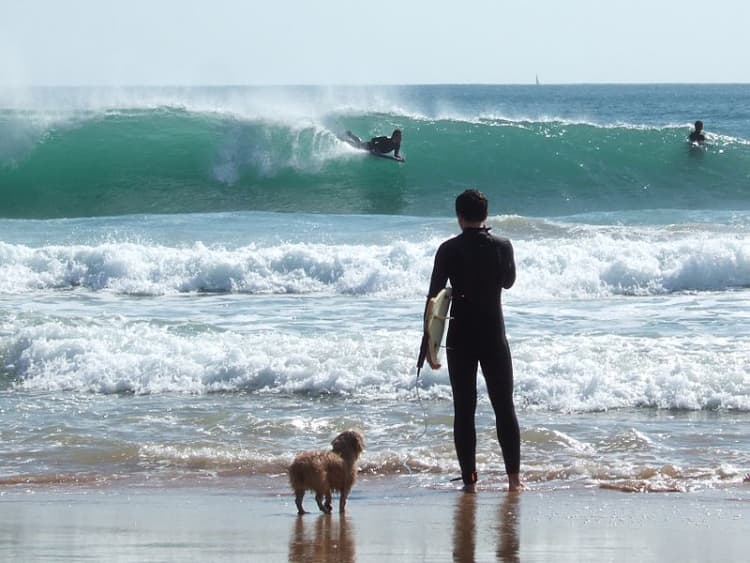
(198, 283)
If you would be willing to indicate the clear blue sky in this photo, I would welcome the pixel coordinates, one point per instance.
(186, 42)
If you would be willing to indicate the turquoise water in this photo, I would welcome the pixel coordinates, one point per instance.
(201, 282)
(545, 151)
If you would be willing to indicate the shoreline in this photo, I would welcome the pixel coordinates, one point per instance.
(388, 519)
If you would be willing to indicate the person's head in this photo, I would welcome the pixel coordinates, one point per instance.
(396, 136)
(471, 206)
(699, 125)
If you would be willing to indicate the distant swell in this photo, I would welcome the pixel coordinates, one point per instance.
(168, 160)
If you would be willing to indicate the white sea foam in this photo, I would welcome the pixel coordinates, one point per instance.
(577, 373)
(555, 262)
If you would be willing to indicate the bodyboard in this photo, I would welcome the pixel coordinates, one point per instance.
(388, 156)
(435, 319)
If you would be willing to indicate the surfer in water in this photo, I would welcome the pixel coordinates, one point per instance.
(696, 135)
(479, 266)
(379, 145)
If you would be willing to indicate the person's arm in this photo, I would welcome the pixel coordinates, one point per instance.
(396, 149)
(438, 281)
(439, 277)
(508, 265)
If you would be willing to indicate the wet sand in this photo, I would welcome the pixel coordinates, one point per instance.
(387, 520)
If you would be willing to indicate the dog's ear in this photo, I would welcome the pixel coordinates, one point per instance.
(358, 441)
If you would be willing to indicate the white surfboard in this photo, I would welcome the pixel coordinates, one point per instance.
(435, 319)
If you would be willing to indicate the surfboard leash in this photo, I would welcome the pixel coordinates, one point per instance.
(421, 404)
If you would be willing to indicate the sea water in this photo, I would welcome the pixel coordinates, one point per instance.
(197, 283)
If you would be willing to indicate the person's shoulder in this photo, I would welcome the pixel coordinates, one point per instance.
(500, 239)
(502, 242)
(450, 244)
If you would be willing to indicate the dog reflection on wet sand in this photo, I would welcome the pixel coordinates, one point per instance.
(322, 540)
(325, 472)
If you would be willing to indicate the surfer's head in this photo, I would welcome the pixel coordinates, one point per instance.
(396, 136)
(472, 206)
(698, 125)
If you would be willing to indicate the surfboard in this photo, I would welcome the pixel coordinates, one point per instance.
(435, 319)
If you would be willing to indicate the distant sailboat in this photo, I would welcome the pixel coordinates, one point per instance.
(537, 80)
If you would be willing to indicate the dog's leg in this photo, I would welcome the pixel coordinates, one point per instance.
(342, 501)
(319, 500)
(298, 496)
(329, 505)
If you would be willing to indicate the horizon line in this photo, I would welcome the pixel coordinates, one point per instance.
(361, 85)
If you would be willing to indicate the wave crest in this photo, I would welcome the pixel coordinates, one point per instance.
(174, 160)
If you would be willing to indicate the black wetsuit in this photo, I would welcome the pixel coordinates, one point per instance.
(478, 266)
(383, 145)
(696, 137)
(380, 145)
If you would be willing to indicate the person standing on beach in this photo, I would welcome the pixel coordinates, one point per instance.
(479, 266)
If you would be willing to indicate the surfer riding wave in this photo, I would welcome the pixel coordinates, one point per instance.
(378, 145)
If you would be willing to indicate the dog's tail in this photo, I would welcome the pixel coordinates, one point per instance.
(297, 476)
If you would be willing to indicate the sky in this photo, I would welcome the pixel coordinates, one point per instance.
(253, 42)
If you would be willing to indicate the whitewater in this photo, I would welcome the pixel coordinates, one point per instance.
(200, 281)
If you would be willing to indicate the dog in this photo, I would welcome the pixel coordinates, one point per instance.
(324, 472)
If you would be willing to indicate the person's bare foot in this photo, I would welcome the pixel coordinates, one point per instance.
(514, 484)
(469, 488)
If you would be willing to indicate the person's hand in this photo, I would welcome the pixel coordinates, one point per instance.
(433, 365)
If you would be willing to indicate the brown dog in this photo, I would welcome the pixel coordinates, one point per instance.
(324, 472)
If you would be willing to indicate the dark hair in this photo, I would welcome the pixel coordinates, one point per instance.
(396, 132)
(472, 205)
(699, 124)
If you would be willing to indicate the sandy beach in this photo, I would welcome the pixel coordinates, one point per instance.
(388, 520)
